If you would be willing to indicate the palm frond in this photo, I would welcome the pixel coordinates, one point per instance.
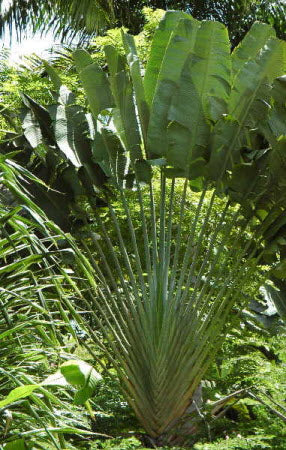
(66, 19)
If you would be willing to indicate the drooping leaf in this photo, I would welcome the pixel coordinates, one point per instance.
(32, 131)
(110, 154)
(83, 376)
(64, 135)
(78, 373)
(42, 117)
(71, 129)
(276, 293)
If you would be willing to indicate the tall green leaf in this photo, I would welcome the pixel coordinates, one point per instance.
(135, 71)
(179, 47)
(159, 44)
(248, 104)
(94, 81)
(122, 90)
(251, 45)
(201, 98)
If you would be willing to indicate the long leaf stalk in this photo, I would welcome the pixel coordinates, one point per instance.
(161, 348)
(180, 332)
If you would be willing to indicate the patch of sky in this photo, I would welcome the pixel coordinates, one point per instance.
(42, 45)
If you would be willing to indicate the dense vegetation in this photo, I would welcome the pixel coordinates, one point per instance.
(142, 242)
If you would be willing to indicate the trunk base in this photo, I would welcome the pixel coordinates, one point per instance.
(182, 429)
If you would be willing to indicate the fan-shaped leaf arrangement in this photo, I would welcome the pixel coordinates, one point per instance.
(202, 127)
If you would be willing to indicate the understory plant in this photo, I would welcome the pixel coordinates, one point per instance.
(201, 126)
(39, 327)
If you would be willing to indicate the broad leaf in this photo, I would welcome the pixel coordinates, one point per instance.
(18, 393)
(18, 444)
(122, 90)
(81, 374)
(135, 71)
(276, 293)
(94, 82)
(251, 45)
(180, 46)
(159, 44)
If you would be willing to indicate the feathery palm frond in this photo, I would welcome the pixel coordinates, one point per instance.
(66, 19)
(86, 18)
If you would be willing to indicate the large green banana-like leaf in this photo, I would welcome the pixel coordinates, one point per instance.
(32, 131)
(71, 134)
(124, 114)
(276, 293)
(252, 83)
(251, 45)
(209, 67)
(275, 124)
(94, 81)
(135, 72)
(65, 128)
(177, 51)
(159, 45)
(207, 85)
(41, 118)
(248, 103)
